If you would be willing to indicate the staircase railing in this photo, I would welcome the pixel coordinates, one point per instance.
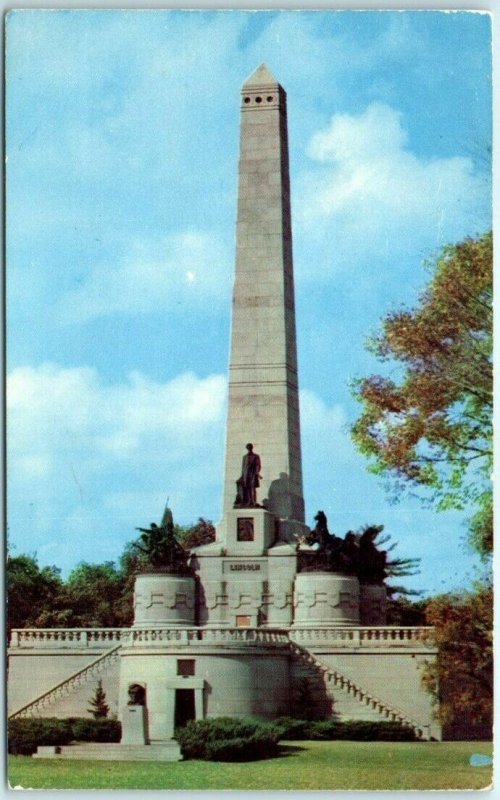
(346, 684)
(68, 685)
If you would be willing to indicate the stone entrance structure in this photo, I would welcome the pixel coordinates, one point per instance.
(240, 631)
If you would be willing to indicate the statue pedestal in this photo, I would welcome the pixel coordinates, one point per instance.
(134, 725)
(247, 531)
(164, 601)
(325, 598)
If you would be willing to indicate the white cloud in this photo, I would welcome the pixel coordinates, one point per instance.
(327, 451)
(318, 418)
(191, 269)
(369, 191)
(88, 460)
(56, 412)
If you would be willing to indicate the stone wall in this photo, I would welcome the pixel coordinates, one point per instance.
(247, 672)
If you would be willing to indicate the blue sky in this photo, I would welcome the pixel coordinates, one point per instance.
(122, 145)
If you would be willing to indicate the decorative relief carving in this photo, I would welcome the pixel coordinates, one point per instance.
(280, 597)
(163, 599)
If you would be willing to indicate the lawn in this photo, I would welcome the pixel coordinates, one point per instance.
(302, 765)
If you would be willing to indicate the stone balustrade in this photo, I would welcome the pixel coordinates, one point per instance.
(348, 637)
(207, 636)
(54, 638)
(358, 636)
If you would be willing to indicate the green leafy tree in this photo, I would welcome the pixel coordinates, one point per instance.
(461, 678)
(98, 706)
(94, 594)
(405, 612)
(431, 426)
(34, 594)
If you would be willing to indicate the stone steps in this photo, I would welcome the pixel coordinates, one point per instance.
(344, 706)
(351, 695)
(89, 751)
(48, 698)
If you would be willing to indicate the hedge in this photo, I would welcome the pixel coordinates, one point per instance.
(228, 739)
(354, 730)
(25, 735)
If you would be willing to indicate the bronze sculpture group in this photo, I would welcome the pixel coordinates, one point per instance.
(353, 555)
(162, 550)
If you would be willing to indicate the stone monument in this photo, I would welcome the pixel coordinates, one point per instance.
(235, 627)
(263, 403)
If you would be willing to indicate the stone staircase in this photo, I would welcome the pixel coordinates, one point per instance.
(352, 695)
(69, 685)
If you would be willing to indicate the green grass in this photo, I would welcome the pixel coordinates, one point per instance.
(302, 765)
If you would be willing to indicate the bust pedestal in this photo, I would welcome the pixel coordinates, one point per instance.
(134, 725)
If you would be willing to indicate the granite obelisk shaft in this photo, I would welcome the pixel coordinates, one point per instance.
(263, 388)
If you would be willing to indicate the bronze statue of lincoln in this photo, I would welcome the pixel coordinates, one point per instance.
(250, 478)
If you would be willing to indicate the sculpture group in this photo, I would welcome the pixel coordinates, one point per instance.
(355, 554)
(161, 548)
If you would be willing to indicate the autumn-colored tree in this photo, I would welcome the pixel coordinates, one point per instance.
(431, 426)
(461, 678)
(203, 532)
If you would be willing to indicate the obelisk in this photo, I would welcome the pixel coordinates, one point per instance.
(263, 403)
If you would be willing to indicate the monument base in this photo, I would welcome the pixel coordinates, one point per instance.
(247, 531)
(134, 725)
(166, 751)
(164, 600)
(325, 598)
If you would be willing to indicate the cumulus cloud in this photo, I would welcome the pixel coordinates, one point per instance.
(190, 268)
(368, 189)
(89, 459)
(53, 410)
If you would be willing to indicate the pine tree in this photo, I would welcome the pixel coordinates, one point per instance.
(99, 708)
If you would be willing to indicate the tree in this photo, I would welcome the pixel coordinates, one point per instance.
(203, 532)
(94, 594)
(461, 678)
(402, 611)
(34, 594)
(431, 425)
(98, 706)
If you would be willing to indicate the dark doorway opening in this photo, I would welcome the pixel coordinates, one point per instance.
(184, 707)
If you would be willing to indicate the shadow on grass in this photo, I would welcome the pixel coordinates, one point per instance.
(284, 751)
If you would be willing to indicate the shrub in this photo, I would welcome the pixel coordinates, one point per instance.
(25, 735)
(95, 730)
(227, 739)
(354, 730)
(290, 728)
